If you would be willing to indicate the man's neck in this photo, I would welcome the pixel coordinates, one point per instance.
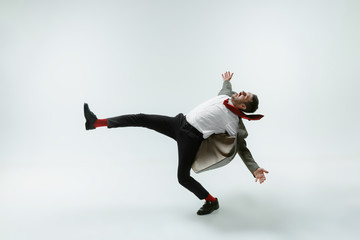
(231, 102)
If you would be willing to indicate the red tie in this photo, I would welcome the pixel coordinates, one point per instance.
(240, 113)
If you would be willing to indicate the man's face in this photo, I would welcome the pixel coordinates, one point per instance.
(239, 99)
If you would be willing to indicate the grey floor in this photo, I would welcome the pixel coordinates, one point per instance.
(103, 201)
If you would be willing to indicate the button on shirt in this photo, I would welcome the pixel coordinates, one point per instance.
(212, 117)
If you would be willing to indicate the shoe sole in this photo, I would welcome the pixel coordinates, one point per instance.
(87, 110)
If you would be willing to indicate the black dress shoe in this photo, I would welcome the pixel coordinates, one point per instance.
(90, 117)
(208, 207)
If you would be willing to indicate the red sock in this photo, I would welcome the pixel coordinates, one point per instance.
(100, 123)
(210, 198)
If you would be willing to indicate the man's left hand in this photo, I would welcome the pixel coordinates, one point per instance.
(259, 175)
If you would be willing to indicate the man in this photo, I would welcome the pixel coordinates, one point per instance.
(218, 115)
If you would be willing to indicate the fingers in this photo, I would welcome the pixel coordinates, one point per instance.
(261, 178)
(261, 170)
(227, 75)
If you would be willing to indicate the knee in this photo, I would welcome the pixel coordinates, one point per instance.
(184, 179)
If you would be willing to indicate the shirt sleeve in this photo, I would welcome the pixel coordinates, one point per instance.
(226, 89)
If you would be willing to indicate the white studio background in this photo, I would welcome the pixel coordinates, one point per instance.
(58, 181)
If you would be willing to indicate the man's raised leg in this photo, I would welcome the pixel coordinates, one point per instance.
(163, 124)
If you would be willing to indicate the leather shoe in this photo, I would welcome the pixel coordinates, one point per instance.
(90, 117)
(208, 207)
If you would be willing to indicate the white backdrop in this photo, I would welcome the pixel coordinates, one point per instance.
(59, 181)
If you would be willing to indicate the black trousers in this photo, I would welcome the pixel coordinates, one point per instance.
(187, 137)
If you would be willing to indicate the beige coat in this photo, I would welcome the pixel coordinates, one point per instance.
(220, 149)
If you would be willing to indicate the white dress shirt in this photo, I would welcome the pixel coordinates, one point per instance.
(212, 117)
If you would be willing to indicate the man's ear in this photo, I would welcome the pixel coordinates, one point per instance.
(241, 106)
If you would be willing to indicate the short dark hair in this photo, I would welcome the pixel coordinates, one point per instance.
(252, 106)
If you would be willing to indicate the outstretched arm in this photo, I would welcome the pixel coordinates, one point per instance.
(249, 161)
(246, 155)
(226, 89)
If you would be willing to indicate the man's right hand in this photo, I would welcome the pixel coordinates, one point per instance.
(227, 76)
(259, 175)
